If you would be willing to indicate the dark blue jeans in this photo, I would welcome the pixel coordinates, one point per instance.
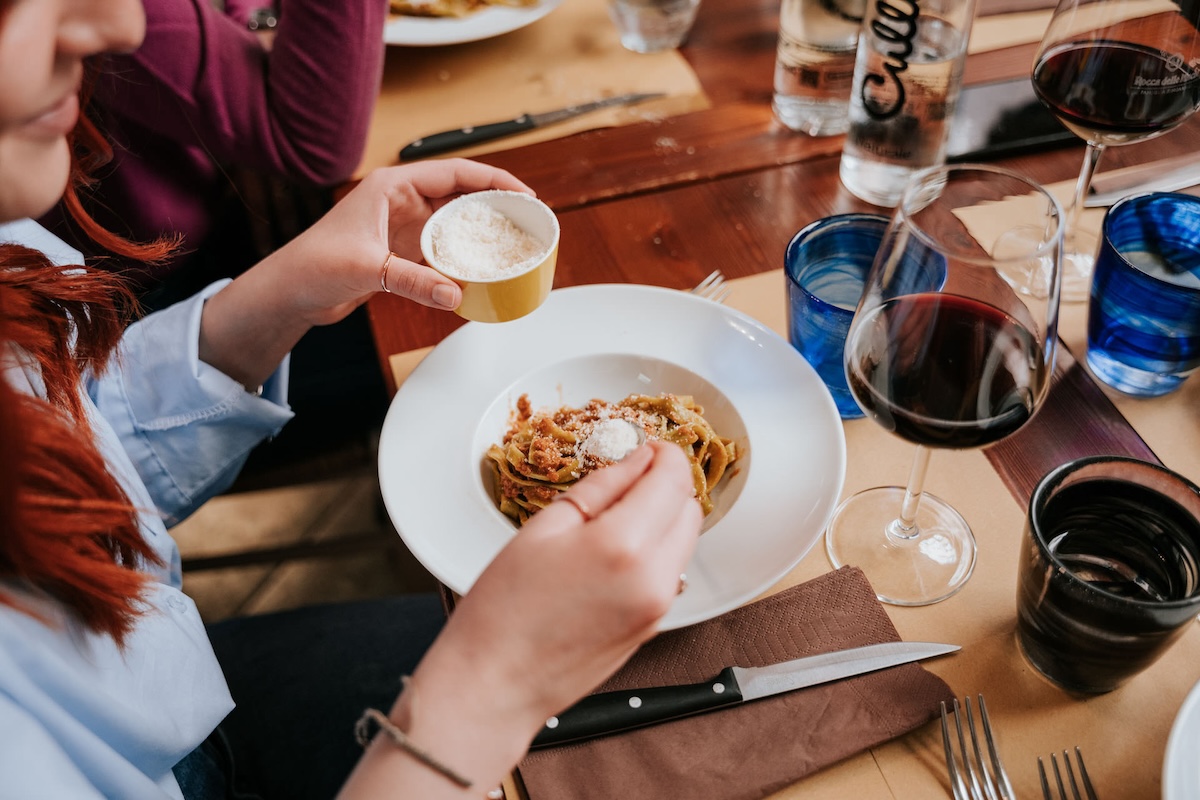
(301, 679)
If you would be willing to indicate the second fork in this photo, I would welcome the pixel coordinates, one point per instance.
(713, 287)
(1089, 792)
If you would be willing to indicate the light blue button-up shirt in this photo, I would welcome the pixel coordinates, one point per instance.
(80, 718)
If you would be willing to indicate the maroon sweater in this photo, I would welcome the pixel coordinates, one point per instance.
(202, 94)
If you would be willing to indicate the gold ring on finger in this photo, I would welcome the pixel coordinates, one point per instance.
(579, 505)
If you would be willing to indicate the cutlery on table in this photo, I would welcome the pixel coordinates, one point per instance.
(1088, 791)
(614, 712)
(474, 134)
(1167, 175)
(974, 780)
(713, 287)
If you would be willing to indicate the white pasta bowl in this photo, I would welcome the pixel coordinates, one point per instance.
(609, 341)
(520, 287)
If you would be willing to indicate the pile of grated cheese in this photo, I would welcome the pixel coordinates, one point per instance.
(474, 241)
(610, 440)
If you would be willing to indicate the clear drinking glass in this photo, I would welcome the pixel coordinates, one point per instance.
(945, 353)
(1114, 72)
(651, 26)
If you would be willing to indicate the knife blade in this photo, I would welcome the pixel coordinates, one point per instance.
(1167, 175)
(614, 712)
(474, 134)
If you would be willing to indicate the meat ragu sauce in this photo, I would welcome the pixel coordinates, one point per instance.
(544, 452)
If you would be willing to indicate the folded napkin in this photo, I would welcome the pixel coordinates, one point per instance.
(751, 750)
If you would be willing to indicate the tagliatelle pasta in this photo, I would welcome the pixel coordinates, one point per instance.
(544, 453)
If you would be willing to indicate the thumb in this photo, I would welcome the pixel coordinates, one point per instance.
(419, 283)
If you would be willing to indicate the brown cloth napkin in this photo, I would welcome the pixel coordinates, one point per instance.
(751, 750)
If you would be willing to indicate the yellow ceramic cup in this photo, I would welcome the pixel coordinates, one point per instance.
(518, 291)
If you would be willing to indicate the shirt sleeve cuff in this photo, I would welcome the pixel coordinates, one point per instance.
(187, 426)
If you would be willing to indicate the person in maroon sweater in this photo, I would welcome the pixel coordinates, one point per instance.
(232, 139)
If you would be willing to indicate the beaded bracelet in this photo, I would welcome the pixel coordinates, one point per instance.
(401, 740)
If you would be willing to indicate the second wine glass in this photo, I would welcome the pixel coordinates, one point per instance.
(945, 353)
(1114, 72)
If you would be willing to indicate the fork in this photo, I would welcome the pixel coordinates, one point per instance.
(713, 287)
(980, 783)
(1089, 792)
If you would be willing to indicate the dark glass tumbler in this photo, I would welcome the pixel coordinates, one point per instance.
(1109, 573)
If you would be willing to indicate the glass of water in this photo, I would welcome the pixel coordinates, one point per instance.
(651, 26)
(1144, 315)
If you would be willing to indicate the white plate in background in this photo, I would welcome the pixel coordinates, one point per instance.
(609, 341)
(1181, 767)
(483, 24)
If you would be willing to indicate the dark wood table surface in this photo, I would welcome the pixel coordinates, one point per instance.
(667, 202)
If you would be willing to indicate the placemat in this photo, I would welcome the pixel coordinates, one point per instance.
(1007, 23)
(570, 56)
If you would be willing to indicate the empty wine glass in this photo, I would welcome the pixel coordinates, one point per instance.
(1114, 72)
(945, 353)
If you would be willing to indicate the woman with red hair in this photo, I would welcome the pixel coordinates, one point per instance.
(109, 684)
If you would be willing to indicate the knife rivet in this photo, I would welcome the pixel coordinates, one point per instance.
(719, 688)
(635, 702)
(552, 722)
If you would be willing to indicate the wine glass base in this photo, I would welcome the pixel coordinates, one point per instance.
(924, 568)
(1029, 276)
(1077, 277)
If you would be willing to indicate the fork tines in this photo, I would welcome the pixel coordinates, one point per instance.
(713, 287)
(1089, 791)
(973, 780)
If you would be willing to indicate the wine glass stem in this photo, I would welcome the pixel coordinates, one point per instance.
(905, 525)
(1091, 160)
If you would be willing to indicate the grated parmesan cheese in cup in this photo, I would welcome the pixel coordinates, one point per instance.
(474, 241)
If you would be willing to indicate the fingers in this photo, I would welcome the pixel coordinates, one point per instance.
(646, 516)
(661, 512)
(599, 490)
(661, 496)
(419, 283)
(442, 178)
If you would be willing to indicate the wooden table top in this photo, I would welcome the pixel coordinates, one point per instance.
(666, 202)
(636, 202)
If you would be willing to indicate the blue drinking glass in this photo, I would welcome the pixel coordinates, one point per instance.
(826, 264)
(1144, 316)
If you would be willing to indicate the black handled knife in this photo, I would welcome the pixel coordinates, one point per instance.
(452, 140)
(613, 712)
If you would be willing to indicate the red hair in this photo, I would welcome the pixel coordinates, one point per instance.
(69, 528)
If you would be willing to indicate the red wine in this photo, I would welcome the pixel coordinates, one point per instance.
(945, 371)
(1112, 92)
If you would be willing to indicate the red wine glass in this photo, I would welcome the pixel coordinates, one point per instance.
(945, 353)
(1114, 72)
